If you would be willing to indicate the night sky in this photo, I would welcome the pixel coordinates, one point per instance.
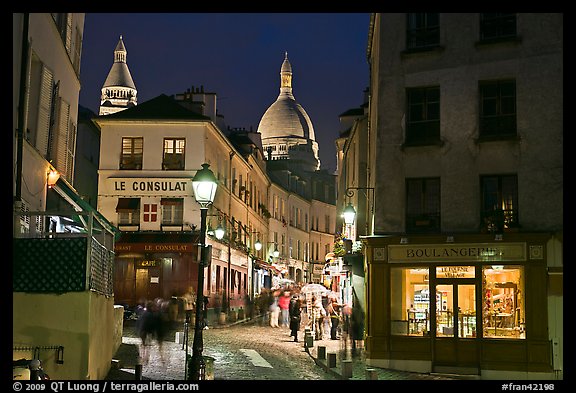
(237, 56)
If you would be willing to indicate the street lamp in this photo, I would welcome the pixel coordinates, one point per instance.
(204, 184)
(349, 214)
(258, 245)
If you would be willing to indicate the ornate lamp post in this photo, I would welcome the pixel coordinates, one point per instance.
(204, 184)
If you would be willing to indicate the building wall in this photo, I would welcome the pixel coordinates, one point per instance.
(534, 60)
(86, 337)
(536, 64)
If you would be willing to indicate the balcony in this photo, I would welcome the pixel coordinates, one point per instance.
(62, 252)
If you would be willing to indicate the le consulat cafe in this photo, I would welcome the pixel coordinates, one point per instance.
(157, 252)
(468, 304)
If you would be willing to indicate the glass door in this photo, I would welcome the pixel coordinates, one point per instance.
(456, 310)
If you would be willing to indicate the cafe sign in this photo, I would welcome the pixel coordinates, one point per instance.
(473, 252)
(149, 186)
(155, 247)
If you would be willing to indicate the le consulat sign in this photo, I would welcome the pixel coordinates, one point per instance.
(457, 252)
(125, 186)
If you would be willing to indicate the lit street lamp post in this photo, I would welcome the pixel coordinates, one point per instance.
(204, 184)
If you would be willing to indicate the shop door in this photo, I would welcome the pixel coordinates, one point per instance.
(141, 285)
(456, 348)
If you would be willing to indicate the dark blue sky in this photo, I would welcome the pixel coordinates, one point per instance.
(238, 57)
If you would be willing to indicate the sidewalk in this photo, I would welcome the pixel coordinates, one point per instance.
(349, 367)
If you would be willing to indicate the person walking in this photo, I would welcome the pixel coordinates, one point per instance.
(318, 314)
(274, 312)
(334, 312)
(284, 304)
(294, 313)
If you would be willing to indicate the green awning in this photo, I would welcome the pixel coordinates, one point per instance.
(66, 191)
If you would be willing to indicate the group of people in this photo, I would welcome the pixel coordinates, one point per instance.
(323, 314)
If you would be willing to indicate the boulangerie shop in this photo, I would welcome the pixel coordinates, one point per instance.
(468, 306)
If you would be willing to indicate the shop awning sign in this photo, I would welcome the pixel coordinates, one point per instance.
(479, 252)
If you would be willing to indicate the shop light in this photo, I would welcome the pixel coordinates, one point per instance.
(53, 177)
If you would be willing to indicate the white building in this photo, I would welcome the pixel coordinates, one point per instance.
(63, 311)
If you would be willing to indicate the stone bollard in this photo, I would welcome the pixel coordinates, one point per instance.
(331, 360)
(346, 368)
(371, 374)
(321, 352)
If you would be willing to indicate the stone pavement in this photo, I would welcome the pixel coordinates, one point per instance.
(167, 363)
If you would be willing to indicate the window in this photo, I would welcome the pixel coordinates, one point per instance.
(150, 212)
(499, 202)
(503, 302)
(132, 149)
(497, 25)
(172, 211)
(173, 158)
(422, 205)
(497, 108)
(423, 30)
(423, 115)
(128, 210)
(410, 301)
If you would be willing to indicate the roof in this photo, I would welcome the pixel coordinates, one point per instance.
(119, 75)
(162, 107)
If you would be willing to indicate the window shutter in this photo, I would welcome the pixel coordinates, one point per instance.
(60, 137)
(44, 110)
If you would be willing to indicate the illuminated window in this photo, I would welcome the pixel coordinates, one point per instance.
(132, 150)
(410, 301)
(173, 154)
(503, 302)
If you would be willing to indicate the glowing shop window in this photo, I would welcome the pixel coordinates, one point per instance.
(410, 301)
(503, 303)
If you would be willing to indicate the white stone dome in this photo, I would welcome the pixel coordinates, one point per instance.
(286, 129)
(286, 118)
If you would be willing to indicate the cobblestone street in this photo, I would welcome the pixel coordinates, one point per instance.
(247, 351)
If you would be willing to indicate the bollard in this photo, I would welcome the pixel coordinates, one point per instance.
(180, 337)
(331, 360)
(321, 352)
(308, 341)
(371, 374)
(138, 372)
(346, 368)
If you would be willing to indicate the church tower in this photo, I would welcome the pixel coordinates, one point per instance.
(119, 91)
(286, 129)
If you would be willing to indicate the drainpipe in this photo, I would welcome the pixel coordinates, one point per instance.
(229, 284)
(21, 108)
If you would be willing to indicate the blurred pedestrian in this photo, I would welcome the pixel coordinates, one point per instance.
(294, 313)
(284, 304)
(357, 326)
(334, 312)
(274, 311)
(318, 314)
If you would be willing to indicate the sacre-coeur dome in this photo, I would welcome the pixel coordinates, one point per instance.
(285, 117)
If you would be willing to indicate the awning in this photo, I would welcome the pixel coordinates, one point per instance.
(171, 201)
(70, 195)
(127, 205)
